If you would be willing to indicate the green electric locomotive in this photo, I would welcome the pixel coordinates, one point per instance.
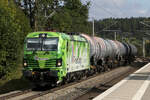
(53, 57)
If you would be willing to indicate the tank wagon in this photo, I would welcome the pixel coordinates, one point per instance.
(54, 58)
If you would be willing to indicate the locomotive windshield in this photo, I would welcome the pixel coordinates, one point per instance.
(33, 44)
(50, 44)
(43, 44)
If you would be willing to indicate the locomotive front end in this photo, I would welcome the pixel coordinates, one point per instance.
(42, 58)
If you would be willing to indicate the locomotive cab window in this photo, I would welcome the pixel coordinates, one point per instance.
(50, 44)
(33, 44)
(42, 44)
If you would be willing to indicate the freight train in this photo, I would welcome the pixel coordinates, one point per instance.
(54, 57)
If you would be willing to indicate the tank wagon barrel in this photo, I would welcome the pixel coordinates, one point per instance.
(133, 49)
(115, 50)
(101, 49)
(127, 49)
(121, 48)
(109, 49)
(92, 44)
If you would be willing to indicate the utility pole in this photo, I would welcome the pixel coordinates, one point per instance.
(35, 17)
(115, 36)
(143, 47)
(144, 53)
(142, 22)
(93, 27)
(122, 39)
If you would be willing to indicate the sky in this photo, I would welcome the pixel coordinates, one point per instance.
(100, 9)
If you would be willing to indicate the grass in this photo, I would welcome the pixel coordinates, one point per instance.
(14, 81)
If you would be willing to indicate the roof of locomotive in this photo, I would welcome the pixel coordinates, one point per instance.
(57, 34)
(49, 34)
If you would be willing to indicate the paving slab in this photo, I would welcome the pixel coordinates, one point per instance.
(135, 87)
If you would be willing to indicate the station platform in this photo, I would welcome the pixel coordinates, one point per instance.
(134, 87)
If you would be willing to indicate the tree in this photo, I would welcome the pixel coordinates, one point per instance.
(60, 15)
(38, 11)
(13, 28)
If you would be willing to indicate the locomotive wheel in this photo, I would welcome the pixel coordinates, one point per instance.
(59, 84)
(99, 69)
(125, 63)
(105, 67)
(78, 77)
(111, 65)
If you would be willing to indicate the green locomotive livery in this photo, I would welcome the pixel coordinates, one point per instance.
(51, 57)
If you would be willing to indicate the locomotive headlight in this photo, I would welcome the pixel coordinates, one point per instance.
(43, 35)
(25, 64)
(59, 62)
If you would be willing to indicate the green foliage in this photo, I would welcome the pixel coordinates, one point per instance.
(60, 15)
(13, 28)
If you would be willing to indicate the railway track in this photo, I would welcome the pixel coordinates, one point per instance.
(68, 91)
(72, 90)
(102, 87)
(14, 94)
